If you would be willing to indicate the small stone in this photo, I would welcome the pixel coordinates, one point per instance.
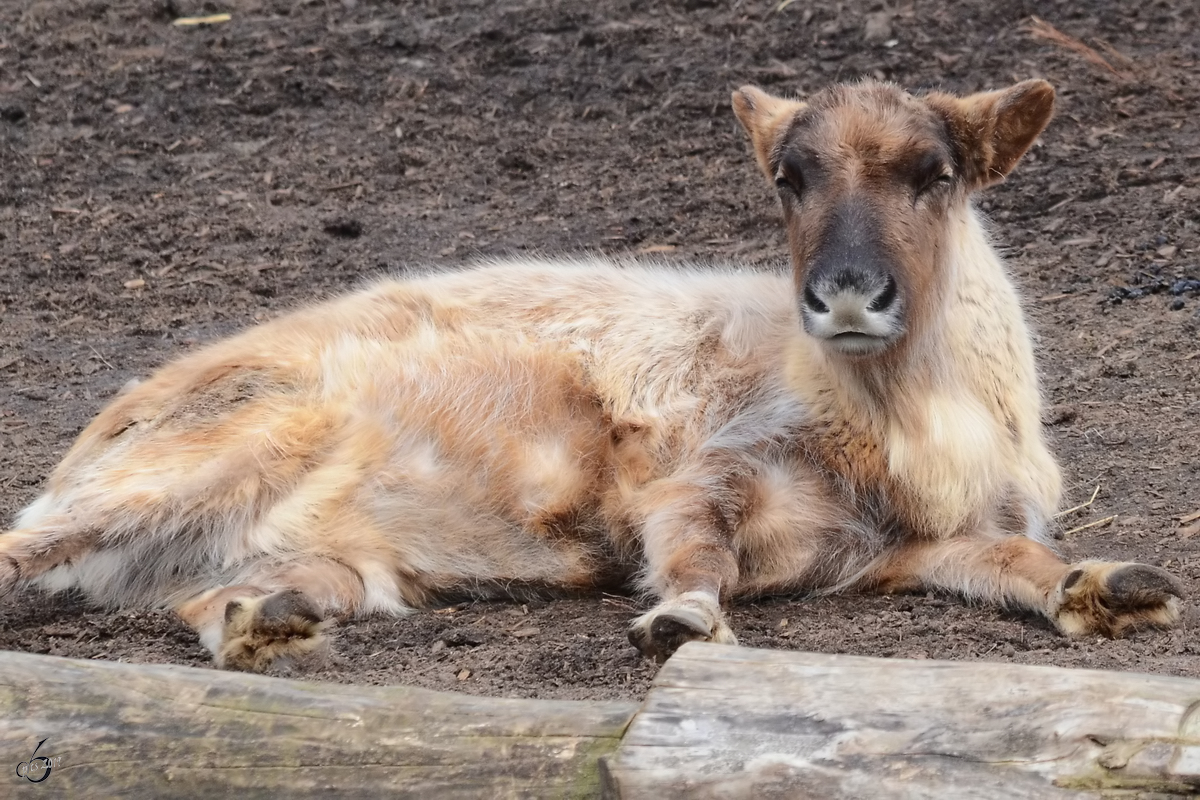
(344, 228)
(516, 162)
(1119, 368)
(1060, 414)
(878, 27)
(1177, 304)
(463, 637)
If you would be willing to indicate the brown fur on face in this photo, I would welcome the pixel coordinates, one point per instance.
(894, 162)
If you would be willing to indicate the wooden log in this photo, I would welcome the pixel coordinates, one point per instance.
(719, 722)
(149, 731)
(731, 722)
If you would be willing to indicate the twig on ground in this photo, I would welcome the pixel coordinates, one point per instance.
(1081, 506)
(1038, 28)
(103, 360)
(1095, 524)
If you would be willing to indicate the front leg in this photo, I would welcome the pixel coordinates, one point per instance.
(1112, 599)
(689, 563)
(1088, 598)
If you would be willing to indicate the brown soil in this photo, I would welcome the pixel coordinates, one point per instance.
(163, 186)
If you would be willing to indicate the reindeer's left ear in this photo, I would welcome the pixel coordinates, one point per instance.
(765, 118)
(992, 130)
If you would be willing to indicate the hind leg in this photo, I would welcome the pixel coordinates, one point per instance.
(29, 553)
(278, 614)
(1091, 597)
(245, 626)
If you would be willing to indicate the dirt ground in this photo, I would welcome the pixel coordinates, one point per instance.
(161, 186)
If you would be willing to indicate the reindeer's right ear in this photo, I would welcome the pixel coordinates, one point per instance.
(765, 118)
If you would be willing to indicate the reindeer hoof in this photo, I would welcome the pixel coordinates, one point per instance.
(280, 627)
(690, 617)
(1114, 599)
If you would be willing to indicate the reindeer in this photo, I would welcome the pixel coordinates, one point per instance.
(701, 435)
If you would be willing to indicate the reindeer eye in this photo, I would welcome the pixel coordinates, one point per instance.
(945, 179)
(933, 175)
(788, 179)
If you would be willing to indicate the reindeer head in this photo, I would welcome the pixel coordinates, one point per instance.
(868, 176)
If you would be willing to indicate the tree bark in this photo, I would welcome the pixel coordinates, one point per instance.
(738, 723)
(725, 722)
(151, 731)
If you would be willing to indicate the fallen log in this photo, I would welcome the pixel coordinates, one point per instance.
(153, 731)
(724, 722)
(738, 723)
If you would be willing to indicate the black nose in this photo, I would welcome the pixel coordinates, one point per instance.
(851, 260)
(813, 302)
(885, 298)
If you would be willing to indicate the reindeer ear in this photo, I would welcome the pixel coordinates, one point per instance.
(992, 130)
(764, 117)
